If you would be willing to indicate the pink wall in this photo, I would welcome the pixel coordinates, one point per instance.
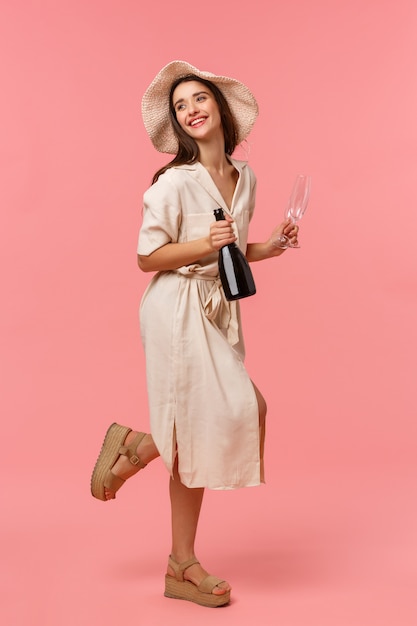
(331, 334)
(333, 323)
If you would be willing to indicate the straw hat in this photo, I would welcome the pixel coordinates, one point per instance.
(155, 104)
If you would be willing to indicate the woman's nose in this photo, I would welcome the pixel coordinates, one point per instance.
(193, 108)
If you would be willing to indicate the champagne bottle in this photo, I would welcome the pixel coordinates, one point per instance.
(234, 270)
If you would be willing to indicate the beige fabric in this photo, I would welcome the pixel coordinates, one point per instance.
(201, 399)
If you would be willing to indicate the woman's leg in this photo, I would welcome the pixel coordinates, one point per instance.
(262, 421)
(185, 511)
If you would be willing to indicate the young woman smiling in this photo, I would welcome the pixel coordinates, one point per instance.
(207, 416)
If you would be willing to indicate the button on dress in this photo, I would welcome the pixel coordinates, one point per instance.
(202, 403)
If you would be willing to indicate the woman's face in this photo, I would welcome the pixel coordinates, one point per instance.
(196, 110)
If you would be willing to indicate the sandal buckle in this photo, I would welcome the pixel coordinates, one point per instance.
(135, 460)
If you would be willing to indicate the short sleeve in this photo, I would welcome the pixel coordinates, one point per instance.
(161, 216)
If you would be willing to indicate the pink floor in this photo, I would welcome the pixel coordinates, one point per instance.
(335, 547)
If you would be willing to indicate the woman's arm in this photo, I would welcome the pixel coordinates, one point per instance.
(171, 256)
(267, 250)
(175, 255)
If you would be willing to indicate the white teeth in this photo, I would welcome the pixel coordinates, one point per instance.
(199, 119)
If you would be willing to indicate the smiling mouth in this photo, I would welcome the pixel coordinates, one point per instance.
(198, 120)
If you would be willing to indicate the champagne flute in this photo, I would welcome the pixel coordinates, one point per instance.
(296, 207)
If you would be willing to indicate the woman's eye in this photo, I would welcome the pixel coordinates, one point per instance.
(200, 98)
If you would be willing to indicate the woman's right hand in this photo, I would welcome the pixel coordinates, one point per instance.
(221, 233)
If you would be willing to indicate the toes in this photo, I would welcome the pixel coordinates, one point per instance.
(221, 589)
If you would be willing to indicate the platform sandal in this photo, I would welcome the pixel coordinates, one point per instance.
(113, 446)
(181, 589)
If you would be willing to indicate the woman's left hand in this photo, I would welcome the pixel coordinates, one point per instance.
(289, 230)
(268, 249)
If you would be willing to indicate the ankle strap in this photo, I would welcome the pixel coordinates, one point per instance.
(179, 568)
(130, 451)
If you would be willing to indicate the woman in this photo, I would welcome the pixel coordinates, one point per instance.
(207, 416)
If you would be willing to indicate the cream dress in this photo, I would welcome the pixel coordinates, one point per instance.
(202, 403)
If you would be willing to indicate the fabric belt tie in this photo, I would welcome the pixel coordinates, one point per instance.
(216, 306)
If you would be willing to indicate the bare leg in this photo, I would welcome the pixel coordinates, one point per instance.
(262, 421)
(123, 468)
(185, 510)
(261, 405)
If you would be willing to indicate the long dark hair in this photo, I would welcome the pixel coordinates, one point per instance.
(188, 151)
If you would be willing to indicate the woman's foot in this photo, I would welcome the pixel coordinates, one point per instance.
(124, 468)
(122, 455)
(196, 574)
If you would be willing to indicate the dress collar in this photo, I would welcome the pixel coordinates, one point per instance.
(202, 176)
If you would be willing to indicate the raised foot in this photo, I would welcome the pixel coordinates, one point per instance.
(123, 454)
(125, 466)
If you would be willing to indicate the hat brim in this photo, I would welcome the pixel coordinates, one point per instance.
(155, 104)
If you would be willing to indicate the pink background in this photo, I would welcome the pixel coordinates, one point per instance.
(331, 335)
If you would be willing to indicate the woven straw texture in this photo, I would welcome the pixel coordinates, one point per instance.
(108, 456)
